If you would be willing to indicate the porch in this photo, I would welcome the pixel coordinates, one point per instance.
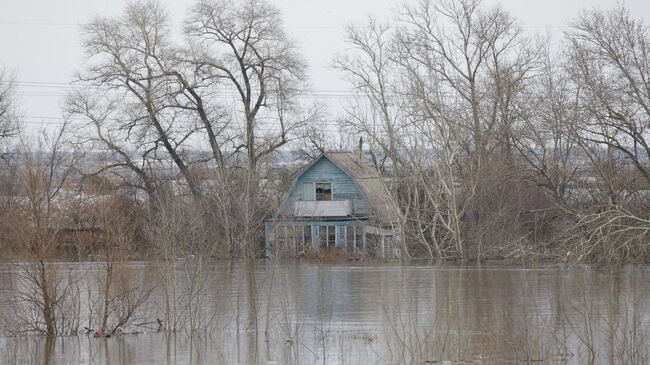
(352, 235)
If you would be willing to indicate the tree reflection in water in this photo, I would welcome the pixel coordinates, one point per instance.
(376, 313)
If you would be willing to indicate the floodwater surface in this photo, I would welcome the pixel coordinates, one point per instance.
(348, 313)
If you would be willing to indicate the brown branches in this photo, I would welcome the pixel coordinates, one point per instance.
(8, 119)
(611, 235)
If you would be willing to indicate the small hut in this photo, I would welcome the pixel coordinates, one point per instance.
(336, 201)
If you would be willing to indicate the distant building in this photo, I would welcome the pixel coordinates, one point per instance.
(336, 201)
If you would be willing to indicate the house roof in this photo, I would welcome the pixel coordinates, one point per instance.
(372, 186)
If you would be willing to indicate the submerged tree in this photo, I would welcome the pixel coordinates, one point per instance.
(608, 62)
(154, 103)
(442, 87)
(241, 48)
(47, 302)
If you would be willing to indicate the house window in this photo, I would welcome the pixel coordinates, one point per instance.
(331, 236)
(327, 236)
(354, 237)
(322, 236)
(323, 191)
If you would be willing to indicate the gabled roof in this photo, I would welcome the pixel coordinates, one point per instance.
(372, 186)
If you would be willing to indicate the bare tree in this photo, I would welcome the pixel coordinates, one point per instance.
(122, 160)
(45, 174)
(181, 233)
(8, 117)
(119, 294)
(131, 59)
(543, 136)
(8, 165)
(466, 67)
(380, 112)
(316, 138)
(440, 90)
(370, 69)
(243, 44)
(608, 59)
(162, 100)
(242, 47)
(608, 235)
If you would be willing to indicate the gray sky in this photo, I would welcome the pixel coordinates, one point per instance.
(40, 39)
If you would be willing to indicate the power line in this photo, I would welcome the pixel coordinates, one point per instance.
(60, 24)
(40, 117)
(56, 24)
(41, 23)
(70, 84)
(32, 90)
(262, 121)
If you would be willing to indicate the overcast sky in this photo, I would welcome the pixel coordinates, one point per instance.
(40, 39)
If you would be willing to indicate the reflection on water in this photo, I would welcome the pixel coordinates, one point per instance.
(291, 312)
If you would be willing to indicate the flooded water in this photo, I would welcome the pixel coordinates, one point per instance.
(349, 313)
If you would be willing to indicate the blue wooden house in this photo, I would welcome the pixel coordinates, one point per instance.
(336, 201)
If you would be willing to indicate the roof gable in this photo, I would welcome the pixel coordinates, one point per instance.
(368, 180)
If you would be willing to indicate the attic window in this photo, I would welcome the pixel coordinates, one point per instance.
(323, 191)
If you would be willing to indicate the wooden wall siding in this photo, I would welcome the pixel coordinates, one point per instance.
(308, 190)
(333, 208)
(343, 187)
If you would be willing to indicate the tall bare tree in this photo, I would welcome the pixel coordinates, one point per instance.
(8, 118)
(467, 65)
(479, 59)
(609, 60)
(131, 57)
(370, 69)
(243, 46)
